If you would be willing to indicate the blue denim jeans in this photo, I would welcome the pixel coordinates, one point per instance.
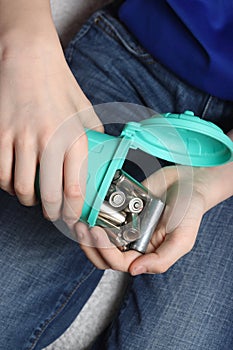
(45, 277)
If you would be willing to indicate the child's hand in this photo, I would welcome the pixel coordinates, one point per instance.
(38, 95)
(190, 192)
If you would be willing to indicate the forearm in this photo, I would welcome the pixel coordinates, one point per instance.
(24, 22)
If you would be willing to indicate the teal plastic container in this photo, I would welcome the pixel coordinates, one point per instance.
(179, 138)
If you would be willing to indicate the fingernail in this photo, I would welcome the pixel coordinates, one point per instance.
(138, 270)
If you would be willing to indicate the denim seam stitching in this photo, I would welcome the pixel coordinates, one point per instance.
(83, 31)
(209, 100)
(61, 307)
(116, 35)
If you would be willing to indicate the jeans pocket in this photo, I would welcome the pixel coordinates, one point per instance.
(115, 29)
(69, 50)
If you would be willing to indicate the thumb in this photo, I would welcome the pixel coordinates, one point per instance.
(175, 245)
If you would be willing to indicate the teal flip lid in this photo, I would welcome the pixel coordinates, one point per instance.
(181, 138)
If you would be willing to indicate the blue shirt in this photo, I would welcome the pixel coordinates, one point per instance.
(193, 38)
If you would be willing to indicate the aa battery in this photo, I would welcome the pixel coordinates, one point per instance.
(111, 214)
(136, 205)
(149, 221)
(117, 199)
(132, 232)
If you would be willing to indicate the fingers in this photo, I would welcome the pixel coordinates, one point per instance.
(6, 163)
(63, 167)
(75, 163)
(24, 171)
(101, 251)
(174, 245)
(88, 243)
(51, 172)
(163, 258)
(75, 174)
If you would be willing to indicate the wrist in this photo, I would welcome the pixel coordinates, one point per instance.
(215, 184)
(16, 43)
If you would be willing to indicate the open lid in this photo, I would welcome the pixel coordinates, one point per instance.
(181, 138)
